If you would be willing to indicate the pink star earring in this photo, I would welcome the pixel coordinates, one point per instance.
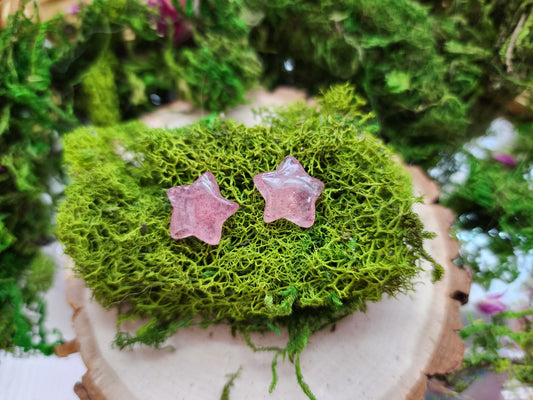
(289, 193)
(199, 210)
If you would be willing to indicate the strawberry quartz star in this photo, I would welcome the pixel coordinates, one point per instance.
(289, 193)
(199, 210)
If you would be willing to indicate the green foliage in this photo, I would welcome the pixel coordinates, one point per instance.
(104, 63)
(386, 47)
(212, 64)
(100, 91)
(496, 198)
(487, 339)
(22, 309)
(428, 72)
(523, 148)
(398, 82)
(366, 241)
(221, 69)
(30, 118)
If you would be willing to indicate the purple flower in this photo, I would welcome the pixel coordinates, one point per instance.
(505, 159)
(491, 304)
(73, 10)
(169, 15)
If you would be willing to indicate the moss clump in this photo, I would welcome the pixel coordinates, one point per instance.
(366, 241)
(30, 118)
(489, 41)
(100, 91)
(125, 57)
(429, 68)
(385, 47)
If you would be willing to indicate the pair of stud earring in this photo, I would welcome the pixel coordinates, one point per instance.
(200, 210)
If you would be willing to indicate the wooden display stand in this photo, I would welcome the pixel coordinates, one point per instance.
(386, 353)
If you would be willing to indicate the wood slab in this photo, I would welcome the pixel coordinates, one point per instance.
(386, 353)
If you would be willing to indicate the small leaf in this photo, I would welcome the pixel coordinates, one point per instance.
(273, 327)
(337, 16)
(398, 82)
(335, 299)
(455, 47)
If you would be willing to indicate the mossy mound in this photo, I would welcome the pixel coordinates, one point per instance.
(366, 240)
(385, 47)
(30, 120)
(433, 70)
(119, 59)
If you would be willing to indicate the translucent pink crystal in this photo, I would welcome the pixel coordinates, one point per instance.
(289, 193)
(199, 210)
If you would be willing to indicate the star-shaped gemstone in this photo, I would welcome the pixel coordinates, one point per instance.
(289, 193)
(199, 210)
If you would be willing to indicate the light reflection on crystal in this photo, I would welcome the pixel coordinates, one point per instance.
(199, 210)
(289, 193)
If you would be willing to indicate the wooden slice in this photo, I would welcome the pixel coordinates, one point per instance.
(385, 353)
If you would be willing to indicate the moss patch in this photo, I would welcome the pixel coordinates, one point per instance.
(100, 90)
(366, 240)
(30, 118)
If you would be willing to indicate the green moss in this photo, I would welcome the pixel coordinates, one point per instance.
(429, 68)
(21, 287)
(218, 72)
(497, 198)
(100, 91)
(124, 65)
(31, 116)
(387, 48)
(365, 242)
(40, 274)
(229, 384)
(487, 340)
